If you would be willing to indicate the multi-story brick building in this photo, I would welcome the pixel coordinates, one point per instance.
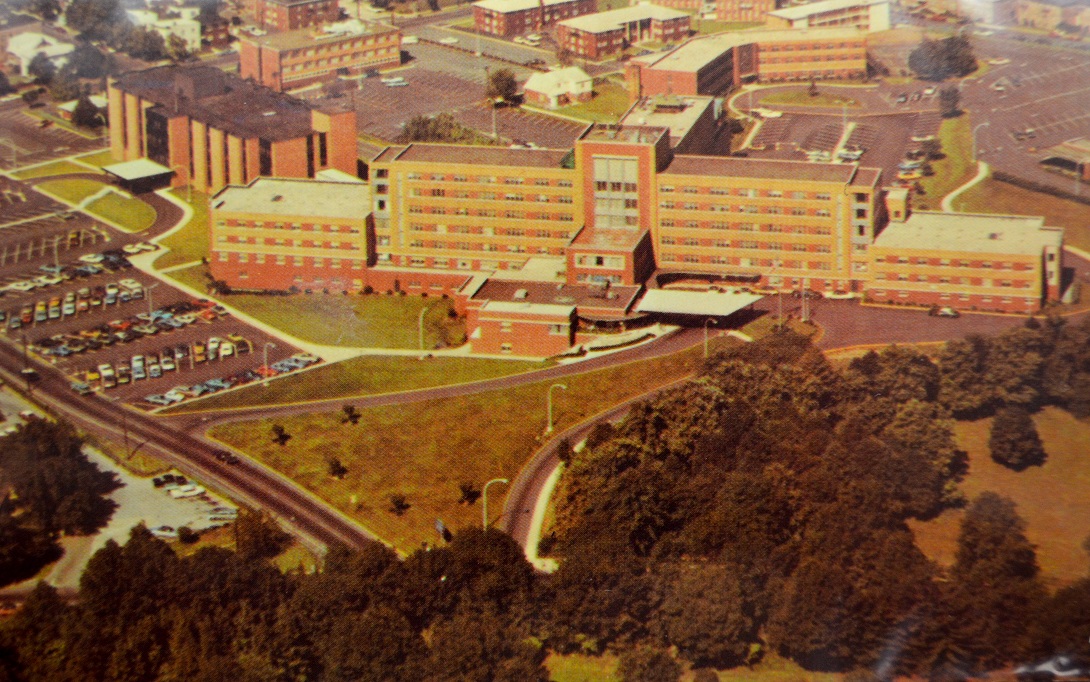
(867, 15)
(599, 35)
(215, 129)
(279, 234)
(967, 261)
(514, 17)
(288, 15)
(713, 65)
(293, 59)
(745, 10)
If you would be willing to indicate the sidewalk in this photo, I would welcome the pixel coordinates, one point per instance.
(982, 173)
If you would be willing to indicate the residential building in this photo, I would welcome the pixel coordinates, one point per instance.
(276, 234)
(11, 25)
(714, 65)
(184, 26)
(753, 11)
(1052, 14)
(595, 36)
(515, 17)
(967, 261)
(558, 88)
(293, 59)
(218, 129)
(24, 47)
(867, 15)
(995, 12)
(289, 15)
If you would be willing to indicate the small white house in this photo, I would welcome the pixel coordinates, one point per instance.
(185, 27)
(555, 89)
(24, 47)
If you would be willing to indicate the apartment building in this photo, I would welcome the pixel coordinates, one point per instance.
(276, 234)
(713, 65)
(515, 17)
(179, 23)
(745, 10)
(967, 261)
(602, 34)
(289, 15)
(213, 128)
(867, 15)
(293, 59)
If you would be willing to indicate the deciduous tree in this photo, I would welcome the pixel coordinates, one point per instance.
(1014, 442)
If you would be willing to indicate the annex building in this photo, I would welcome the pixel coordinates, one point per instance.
(293, 59)
(867, 15)
(595, 36)
(288, 15)
(215, 129)
(514, 17)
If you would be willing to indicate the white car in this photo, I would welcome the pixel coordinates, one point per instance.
(227, 349)
(131, 249)
(92, 258)
(449, 40)
(188, 490)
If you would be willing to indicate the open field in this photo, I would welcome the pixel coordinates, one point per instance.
(425, 450)
(49, 169)
(609, 104)
(582, 668)
(191, 242)
(366, 375)
(585, 668)
(100, 159)
(955, 169)
(373, 321)
(74, 190)
(1054, 499)
(127, 213)
(993, 196)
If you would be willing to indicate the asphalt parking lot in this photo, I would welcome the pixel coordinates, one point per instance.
(22, 140)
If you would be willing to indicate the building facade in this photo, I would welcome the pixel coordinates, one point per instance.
(749, 11)
(600, 35)
(293, 59)
(214, 129)
(289, 15)
(514, 17)
(867, 15)
(558, 88)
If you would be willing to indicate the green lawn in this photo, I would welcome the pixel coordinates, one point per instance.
(366, 375)
(191, 243)
(54, 168)
(425, 450)
(609, 104)
(706, 26)
(586, 668)
(802, 98)
(74, 191)
(128, 213)
(1054, 498)
(582, 668)
(955, 169)
(100, 159)
(993, 196)
(374, 321)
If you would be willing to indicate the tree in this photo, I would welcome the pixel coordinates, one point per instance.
(1014, 442)
(813, 89)
(932, 148)
(258, 536)
(94, 19)
(5, 84)
(65, 86)
(351, 414)
(470, 493)
(949, 101)
(279, 435)
(42, 68)
(705, 616)
(89, 62)
(48, 10)
(477, 645)
(336, 468)
(647, 664)
(502, 86)
(399, 504)
(937, 60)
(176, 48)
(86, 113)
(439, 128)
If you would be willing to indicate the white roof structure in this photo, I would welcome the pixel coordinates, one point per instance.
(269, 196)
(27, 46)
(137, 169)
(602, 22)
(543, 309)
(971, 233)
(681, 302)
(560, 82)
(820, 7)
(334, 175)
(97, 100)
(505, 6)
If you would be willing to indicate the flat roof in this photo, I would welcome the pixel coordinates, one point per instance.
(616, 239)
(601, 22)
(137, 169)
(320, 35)
(616, 297)
(311, 198)
(681, 302)
(505, 6)
(695, 53)
(606, 132)
(812, 8)
(760, 168)
(1076, 149)
(427, 152)
(678, 113)
(971, 233)
(545, 309)
(334, 175)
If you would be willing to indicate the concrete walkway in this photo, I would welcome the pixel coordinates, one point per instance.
(983, 170)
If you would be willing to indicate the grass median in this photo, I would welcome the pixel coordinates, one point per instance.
(802, 98)
(425, 450)
(955, 169)
(1056, 520)
(190, 243)
(50, 169)
(127, 213)
(73, 190)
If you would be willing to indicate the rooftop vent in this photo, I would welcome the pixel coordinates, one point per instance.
(277, 197)
(521, 294)
(993, 235)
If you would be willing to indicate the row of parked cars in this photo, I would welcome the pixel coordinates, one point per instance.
(180, 393)
(87, 265)
(83, 300)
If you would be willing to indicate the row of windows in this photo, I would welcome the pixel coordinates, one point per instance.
(947, 262)
(749, 227)
(972, 281)
(743, 262)
(961, 297)
(337, 61)
(481, 196)
(339, 47)
(483, 179)
(295, 243)
(484, 231)
(727, 208)
(807, 59)
(306, 227)
(469, 246)
(747, 192)
(746, 244)
(810, 46)
(298, 261)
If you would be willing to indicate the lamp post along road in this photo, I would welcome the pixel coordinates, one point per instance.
(706, 323)
(147, 292)
(266, 353)
(484, 500)
(549, 404)
(420, 325)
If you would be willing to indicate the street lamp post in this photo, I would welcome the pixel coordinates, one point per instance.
(147, 292)
(266, 353)
(420, 326)
(484, 500)
(549, 404)
(978, 127)
(706, 323)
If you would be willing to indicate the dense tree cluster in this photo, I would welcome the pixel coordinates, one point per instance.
(106, 21)
(439, 128)
(50, 488)
(936, 60)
